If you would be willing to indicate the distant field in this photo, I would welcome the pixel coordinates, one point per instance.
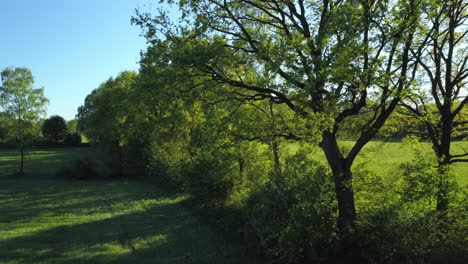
(59, 221)
(381, 157)
(52, 220)
(385, 157)
(44, 161)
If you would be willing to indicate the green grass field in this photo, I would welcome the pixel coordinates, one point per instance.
(44, 161)
(384, 158)
(50, 220)
(61, 221)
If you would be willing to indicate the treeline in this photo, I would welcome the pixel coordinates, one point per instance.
(214, 106)
(52, 131)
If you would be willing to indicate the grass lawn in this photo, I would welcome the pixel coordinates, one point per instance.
(61, 221)
(44, 161)
(52, 220)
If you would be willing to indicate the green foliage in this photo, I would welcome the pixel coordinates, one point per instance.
(401, 224)
(6, 126)
(293, 214)
(21, 102)
(72, 139)
(54, 128)
(80, 169)
(72, 126)
(210, 179)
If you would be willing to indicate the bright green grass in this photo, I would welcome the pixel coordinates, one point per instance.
(59, 221)
(44, 161)
(384, 158)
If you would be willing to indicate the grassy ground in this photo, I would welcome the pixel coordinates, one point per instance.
(59, 221)
(384, 158)
(51, 220)
(44, 161)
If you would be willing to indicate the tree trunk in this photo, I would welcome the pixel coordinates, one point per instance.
(241, 162)
(21, 171)
(276, 156)
(120, 162)
(443, 190)
(343, 177)
(444, 159)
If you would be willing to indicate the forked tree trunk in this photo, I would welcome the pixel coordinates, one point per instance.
(342, 177)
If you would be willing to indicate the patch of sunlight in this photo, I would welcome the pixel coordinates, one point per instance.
(114, 248)
(96, 251)
(9, 158)
(49, 220)
(150, 242)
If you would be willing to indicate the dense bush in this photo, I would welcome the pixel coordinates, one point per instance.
(407, 227)
(294, 213)
(72, 139)
(209, 179)
(79, 169)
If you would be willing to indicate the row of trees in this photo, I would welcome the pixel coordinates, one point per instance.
(219, 94)
(330, 60)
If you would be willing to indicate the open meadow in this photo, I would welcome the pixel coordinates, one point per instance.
(46, 219)
(51, 220)
(384, 158)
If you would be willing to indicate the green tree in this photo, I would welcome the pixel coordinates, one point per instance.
(54, 128)
(5, 126)
(23, 103)
(443, 61)
(72, 126)
(107, 114)
(325, 60)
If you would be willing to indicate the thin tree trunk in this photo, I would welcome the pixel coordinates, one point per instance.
(241, 162)
(276, 156)
(120, 162)
(21, 171)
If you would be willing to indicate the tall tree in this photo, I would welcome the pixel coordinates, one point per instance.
(107, 113)
(443, 60)
(323, 59)
(23, 103)
(54, 128)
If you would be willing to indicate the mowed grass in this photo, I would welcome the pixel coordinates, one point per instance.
(45, 161)
(51, 220)
(61, 221)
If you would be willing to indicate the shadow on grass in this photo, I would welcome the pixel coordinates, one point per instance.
(44, 161)
(104, 222)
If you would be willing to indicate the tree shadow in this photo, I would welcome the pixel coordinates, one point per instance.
(84, 224)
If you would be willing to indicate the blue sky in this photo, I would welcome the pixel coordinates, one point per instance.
(71, 46)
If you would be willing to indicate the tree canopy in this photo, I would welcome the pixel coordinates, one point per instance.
(23, 103)
(55, 128)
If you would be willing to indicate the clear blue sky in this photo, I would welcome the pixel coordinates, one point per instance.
(71, 46)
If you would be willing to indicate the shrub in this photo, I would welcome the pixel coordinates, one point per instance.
(72, 139)
(294, 213)
(79, 170)
(209, 179)
(408, 228)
